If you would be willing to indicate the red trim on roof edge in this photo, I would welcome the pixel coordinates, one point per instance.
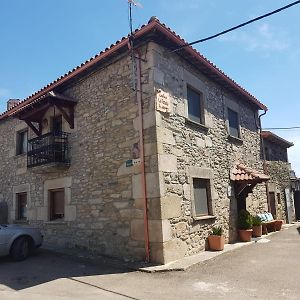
(268, 135)
(154, 23)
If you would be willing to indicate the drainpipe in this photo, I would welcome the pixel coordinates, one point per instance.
(264, 157)
(136, 56)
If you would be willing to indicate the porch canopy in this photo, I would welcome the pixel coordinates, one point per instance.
(245, 179)
(33, 113)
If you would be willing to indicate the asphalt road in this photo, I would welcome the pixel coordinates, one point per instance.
(268, 270)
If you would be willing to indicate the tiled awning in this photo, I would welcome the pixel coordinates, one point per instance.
(241, 173)
(34, 112)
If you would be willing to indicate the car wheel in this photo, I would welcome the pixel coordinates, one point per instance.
(20, 249)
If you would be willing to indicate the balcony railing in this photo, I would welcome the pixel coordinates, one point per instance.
(48, 148)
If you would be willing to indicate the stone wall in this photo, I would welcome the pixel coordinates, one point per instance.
(103, 209)
(278, 169)
(187, 150)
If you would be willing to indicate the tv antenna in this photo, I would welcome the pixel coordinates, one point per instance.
(132, 3)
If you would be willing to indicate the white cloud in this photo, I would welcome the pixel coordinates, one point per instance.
(262, 38)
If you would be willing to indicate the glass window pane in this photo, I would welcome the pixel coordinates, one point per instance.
(201, 196)
(22, 206)
(24, 142)
(233, 120)
(57, 204)
(194, 105)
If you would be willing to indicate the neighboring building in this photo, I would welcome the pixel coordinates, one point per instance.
(295, 184)
(278, 168)
(82, 177)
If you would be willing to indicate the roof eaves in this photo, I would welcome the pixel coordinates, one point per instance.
(153, 24)
(268, 135)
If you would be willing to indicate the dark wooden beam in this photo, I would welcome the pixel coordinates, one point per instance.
(37, 131)
(35, 116)
(68, 118)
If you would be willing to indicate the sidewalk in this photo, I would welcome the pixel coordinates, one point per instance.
(178, 265)
(187, 262)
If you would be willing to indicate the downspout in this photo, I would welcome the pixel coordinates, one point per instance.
(264, 157)
(137, 58)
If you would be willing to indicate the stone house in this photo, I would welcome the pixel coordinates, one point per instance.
(137, 152)
(277, 166)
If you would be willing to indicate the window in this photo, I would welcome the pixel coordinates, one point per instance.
(195, 106)
(22, 137)
(22, 206)
(233, 123)
(201, 196)
(57, 204)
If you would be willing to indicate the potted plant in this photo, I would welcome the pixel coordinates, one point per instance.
(216, 239)
(245, 226)
(257, 227)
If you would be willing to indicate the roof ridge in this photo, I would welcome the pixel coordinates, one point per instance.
(154, 21)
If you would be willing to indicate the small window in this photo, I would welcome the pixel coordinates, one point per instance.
(57, 204)
(233, 122)
(22, 206)
(195, 106)
(278, 198)
(22, 138)
(201, 196)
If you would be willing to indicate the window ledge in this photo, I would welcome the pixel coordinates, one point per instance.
(21, 155)
(196, 124)
(55, 223)
(204, 218)
(21, 222)
(235, 139)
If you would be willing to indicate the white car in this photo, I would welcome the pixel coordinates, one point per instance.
(19, 242)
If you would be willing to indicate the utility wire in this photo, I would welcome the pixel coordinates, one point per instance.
(282, 128)
(239, 26)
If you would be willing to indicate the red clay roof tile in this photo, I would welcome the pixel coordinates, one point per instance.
(153, 24)
(242, 173)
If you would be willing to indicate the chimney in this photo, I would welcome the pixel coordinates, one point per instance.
(11, 103)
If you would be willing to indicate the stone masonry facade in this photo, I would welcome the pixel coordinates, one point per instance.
(187, 150)
(103, 193)
(278, 168)
(99, 204)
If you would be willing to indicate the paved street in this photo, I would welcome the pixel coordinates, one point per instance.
(262, 271)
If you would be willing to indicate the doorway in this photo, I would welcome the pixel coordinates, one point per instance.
(272, 201)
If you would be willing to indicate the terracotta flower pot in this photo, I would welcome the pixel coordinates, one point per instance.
(257, 231)
(245, 235)
(216, 242)
(278, 225)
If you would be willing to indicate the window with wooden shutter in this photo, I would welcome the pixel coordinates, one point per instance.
(57, 204)
(233, 122)
(22, 206)
(201, 196)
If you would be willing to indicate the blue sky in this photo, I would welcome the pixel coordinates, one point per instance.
(41, 40)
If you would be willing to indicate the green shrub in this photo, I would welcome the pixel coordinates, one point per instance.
(256, 220)
(245, 219)
(217, 230)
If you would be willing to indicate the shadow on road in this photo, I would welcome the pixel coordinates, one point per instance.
(46, 266)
